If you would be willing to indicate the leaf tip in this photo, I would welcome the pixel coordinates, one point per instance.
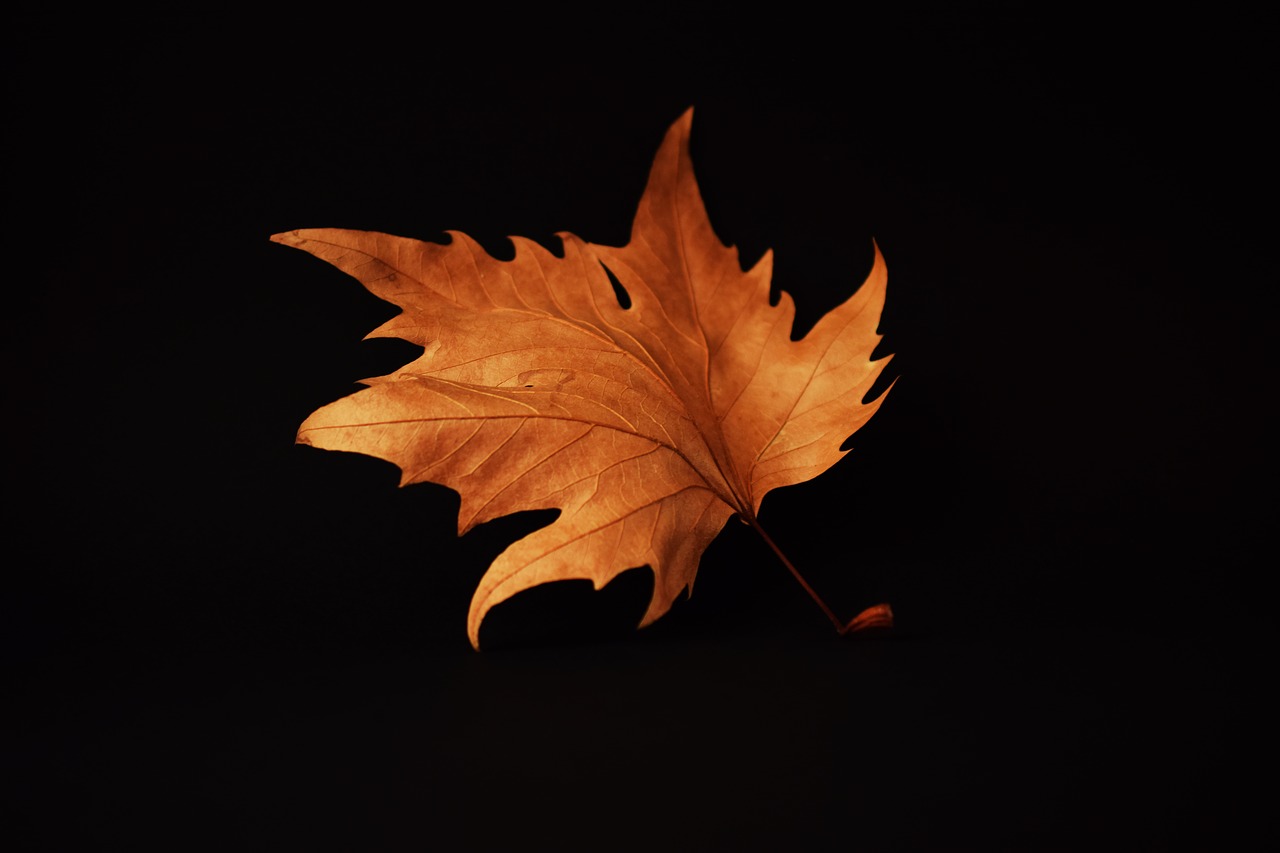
(473, 627)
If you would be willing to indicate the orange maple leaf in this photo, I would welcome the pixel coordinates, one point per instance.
(648, 426)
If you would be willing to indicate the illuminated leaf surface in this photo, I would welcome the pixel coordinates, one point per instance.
(647, 426)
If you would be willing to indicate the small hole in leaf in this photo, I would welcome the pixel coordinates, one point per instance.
(624, 298)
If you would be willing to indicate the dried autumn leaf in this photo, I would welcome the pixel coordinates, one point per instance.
(647, 426)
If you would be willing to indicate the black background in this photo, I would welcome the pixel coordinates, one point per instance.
(215, 637)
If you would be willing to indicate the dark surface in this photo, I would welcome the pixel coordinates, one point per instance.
(217, 638)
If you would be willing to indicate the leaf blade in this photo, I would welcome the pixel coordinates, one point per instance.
(646, 427)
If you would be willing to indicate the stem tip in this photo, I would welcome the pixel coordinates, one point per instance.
(879, 616)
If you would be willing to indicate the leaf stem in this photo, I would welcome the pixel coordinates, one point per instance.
(877, 616)
(751, 519)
